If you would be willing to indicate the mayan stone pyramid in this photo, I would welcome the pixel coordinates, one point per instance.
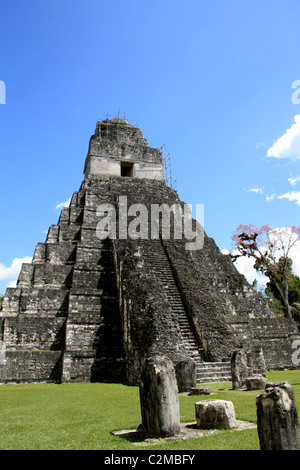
(91, 308)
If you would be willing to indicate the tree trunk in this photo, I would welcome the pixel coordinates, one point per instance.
(286, 296)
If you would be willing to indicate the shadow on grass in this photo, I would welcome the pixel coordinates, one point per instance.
(137, 435)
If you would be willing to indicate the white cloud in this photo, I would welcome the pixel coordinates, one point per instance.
(291, 196)
(61, 205)
(245, 266)
(260, 144)
(12, 283)
(295, 256)
(10, 273)
(294, 181)
(256, 190)
(271, 197)
(288, 145)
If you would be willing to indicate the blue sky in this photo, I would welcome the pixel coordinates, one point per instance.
(212, 80)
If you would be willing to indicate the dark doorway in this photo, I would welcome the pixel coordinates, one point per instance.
(126, 169)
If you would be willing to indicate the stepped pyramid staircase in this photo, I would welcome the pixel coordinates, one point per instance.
(63, 322)
(157, 261)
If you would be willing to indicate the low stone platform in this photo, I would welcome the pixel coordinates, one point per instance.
(187, 431)
(200, 391)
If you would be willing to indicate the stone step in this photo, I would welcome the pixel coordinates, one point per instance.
(185, 326)
(158, 263)
(186, 329)
(184, 322)
(216, 364)
(209, 367)
(214, 379)
(212, 372)
(191, 348)
(190, 342)
(207, 372)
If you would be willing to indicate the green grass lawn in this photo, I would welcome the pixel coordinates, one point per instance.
(81, 416)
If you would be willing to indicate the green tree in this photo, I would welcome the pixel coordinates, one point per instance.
(1, 300)
(275, 299)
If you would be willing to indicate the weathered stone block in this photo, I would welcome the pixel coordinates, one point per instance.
(26, 274)
(40, 253)
(44, 301)
(215, 414)
(49, 274)
(53, 234)
(81, 337)
(89, 237)
(34, 332)
(77, 366)
(239, 368)
(277, 418)
(31, 366)
(87, 256)
(75, 215)
(60, 253)
(258, 359)
(257, 382)
(200, 391)
(11, 302)
(185, 374)
(159, 398)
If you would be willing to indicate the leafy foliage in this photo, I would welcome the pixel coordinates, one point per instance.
(274, 298)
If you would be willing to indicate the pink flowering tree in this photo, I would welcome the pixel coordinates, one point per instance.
(270, 250)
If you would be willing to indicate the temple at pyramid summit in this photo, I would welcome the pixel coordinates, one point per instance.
(103, 292)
